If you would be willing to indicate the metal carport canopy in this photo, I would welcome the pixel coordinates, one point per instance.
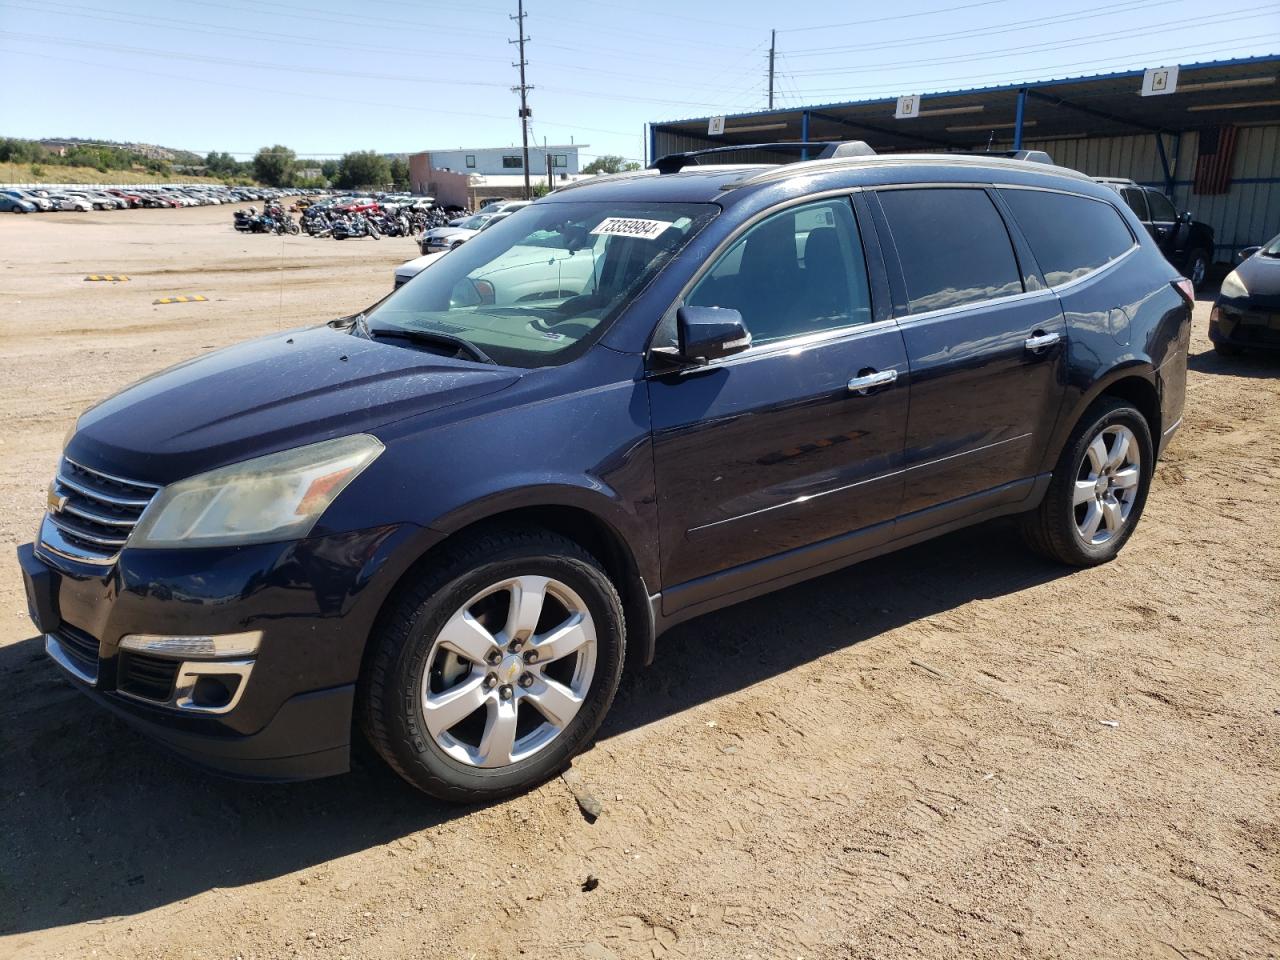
(1242, 91)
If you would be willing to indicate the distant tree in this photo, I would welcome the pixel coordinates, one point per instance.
(400, 173)
(605, 164)
(363, 168)
(632, 165)
(274, 165)
(222, 164)
(329, 168)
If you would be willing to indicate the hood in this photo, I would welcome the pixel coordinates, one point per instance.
(411, 268)
(1261, 276)
(269, 394)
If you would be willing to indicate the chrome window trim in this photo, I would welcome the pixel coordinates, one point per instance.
(858, 483)
(1077, 281)
(911, 318)
(714, 257)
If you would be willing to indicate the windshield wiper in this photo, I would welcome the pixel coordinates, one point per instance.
(428, 336)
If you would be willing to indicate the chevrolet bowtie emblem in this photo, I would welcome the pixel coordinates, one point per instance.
(55, 501)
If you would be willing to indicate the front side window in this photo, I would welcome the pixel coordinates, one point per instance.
(1161, 209)
(953, 246)
(537, 288)
(797, 272)
(1069, 235)
(511, 163)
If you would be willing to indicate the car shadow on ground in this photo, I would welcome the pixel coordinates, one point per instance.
(1250, 363)
(98, 822)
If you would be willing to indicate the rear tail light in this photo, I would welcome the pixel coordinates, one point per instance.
(487, 294)
(1188, 291)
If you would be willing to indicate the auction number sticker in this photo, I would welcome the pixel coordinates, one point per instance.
(630, 227)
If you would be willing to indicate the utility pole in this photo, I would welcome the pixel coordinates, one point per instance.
(773, 46)
(524, 89)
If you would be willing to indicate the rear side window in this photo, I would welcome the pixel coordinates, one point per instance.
(953, 247)
(1136, 199)
(1069, 235)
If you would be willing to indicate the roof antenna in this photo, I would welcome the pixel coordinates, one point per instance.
(990, 140)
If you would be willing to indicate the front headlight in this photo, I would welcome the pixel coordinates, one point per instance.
(271, 498)
(1233, 286)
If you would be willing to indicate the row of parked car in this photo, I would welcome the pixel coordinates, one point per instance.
(85, 199)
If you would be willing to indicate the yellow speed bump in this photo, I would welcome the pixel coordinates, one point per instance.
(190, 298)
(105, 276)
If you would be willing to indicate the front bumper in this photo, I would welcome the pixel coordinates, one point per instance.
(314, 601)
(1243, 327)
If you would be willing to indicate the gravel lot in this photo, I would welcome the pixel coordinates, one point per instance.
(956, 751)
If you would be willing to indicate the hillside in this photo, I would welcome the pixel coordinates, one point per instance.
(49, 173)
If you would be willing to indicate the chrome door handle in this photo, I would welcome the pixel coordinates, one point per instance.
(1041, 340)
(861, 385)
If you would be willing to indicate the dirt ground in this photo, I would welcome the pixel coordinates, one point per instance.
(956, 751)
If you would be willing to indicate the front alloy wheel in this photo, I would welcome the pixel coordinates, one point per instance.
(509, 671)
(493, 667)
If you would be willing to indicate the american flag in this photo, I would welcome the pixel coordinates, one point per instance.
(1213, 160)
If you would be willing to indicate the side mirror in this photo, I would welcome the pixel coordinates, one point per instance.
(1245, 254)
(709, 333)
(1185, 216)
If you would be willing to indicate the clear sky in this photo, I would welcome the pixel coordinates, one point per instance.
(328, 76)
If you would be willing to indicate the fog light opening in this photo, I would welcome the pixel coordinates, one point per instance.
(215, 691)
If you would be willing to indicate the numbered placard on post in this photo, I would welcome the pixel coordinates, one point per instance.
(715, 127)
(1159, 80)
(908, 108)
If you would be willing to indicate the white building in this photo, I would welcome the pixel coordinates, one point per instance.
(504, 160)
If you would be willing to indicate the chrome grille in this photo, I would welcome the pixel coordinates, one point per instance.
(91, 513)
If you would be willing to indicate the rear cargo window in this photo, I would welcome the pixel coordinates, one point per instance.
(1069, 235)
(953, 247)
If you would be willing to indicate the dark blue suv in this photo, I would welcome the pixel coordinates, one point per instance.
(453, 518)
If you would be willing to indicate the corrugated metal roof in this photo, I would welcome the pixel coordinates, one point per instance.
(1244, 90)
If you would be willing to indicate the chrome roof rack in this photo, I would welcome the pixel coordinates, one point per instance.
(675, 162)
(988, 160)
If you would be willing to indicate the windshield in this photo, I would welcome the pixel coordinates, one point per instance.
(1272, 249)
(474, 223)
(539, 287)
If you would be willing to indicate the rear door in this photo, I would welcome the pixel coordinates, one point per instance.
(985, 343)
(773, 450)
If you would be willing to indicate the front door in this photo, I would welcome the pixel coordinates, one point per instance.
(773, 450)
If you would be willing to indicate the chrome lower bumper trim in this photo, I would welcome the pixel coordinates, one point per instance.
(53, 647)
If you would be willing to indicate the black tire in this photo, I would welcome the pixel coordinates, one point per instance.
(1051, 528)
(389, 706)
(1226, 349)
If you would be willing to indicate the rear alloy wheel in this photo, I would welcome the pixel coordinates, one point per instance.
(493, 670)
(1098, 489)
(1198, 268)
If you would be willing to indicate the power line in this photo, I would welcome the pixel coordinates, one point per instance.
(1045, 47)
(1011, 26)
(325, 98)
(897, 16)
(1106, 63)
